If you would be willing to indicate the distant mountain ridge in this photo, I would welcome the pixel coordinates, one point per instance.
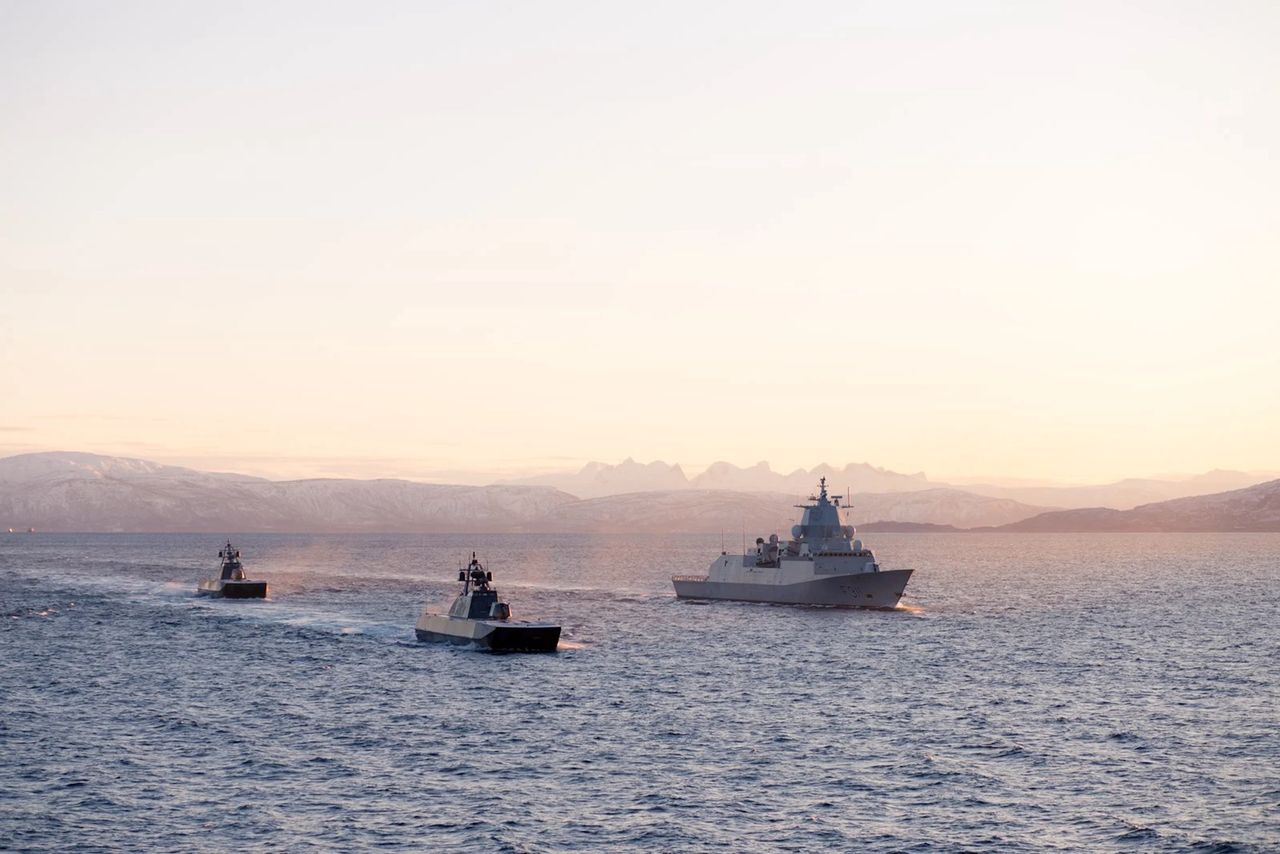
(58, 465)
(762, 513)
(1122, 494)
(596, 480)
(88, 492)
(1254, 508)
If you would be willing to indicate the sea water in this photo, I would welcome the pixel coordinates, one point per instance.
(1034, 692)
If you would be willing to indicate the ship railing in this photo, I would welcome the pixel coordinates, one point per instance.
(690, 577)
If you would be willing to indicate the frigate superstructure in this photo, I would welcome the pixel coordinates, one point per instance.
(231, 582)
(822, 564)
(479, 617)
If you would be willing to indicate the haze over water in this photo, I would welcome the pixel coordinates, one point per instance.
(1052, 692)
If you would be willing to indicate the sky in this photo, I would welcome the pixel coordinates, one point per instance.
(454, 240)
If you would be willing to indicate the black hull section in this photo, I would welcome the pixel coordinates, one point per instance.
(235, 590)
(245, 590)
(523, 639)
(502, 639)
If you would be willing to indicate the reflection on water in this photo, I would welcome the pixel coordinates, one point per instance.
(1033, 692)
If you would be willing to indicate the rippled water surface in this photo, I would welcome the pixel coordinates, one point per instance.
(1052, 692)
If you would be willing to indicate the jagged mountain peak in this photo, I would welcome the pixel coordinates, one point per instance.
(858, 477)
(596, 478)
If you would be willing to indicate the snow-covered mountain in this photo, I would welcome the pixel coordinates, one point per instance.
(1254, 508)
(66, 465)
(86, 492)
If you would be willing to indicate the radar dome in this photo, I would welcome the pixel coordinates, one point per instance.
(857, 545)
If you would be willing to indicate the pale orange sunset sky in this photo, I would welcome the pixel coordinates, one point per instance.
(1008, 239)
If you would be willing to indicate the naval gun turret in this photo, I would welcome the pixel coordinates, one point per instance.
(767, 554)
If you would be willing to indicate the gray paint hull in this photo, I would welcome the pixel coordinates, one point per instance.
(859, 590)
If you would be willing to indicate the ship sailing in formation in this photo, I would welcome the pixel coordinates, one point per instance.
(822, 564)
(231, 582)
(479, 617)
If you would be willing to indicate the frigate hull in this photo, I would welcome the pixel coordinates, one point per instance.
(880, 590)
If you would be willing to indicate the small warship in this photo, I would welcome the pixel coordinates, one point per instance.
(822, 564)
(478, 617)
(231, 582)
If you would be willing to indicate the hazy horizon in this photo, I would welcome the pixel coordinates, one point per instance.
(298, 469)
(1014, 242)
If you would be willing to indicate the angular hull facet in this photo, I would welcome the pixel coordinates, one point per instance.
(493, 635)
(233, 589)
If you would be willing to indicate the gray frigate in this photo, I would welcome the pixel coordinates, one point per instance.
(822, 564)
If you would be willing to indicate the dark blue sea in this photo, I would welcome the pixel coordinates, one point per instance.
(1035, 693)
